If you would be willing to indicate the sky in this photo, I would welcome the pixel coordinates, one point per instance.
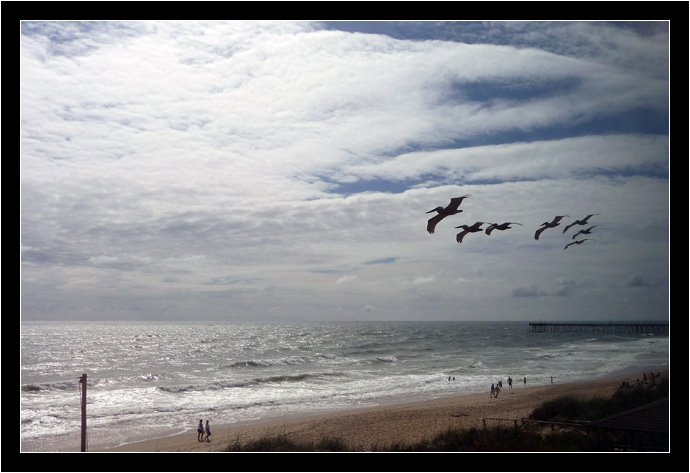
(283, 170)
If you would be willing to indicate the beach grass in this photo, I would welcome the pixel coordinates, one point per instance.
(493, 439)
(570, 408)
(499, 438)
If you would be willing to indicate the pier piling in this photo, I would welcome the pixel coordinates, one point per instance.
(644, 328)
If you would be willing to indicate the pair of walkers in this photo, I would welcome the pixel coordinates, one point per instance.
(200, 431)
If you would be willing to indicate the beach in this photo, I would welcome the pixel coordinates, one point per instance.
(382, 425)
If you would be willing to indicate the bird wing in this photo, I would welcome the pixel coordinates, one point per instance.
(567, 227)
(455, 202)
(460, 236)
(491, 229)
(569, 244)
(431, 223)
(538, 232)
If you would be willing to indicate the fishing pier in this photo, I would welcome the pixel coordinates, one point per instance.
(644, 328)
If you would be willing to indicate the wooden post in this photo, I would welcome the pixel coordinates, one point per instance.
(82, 380)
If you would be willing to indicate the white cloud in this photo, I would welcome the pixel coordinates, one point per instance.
(224, 159)
(345, 279)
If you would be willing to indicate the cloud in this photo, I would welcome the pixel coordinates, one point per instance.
(554, 159)
(229, 280)
(638, 280)
(534, 291)
(392, 259)
(252, 159)
(345, 279)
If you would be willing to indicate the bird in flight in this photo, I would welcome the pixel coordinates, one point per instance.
(450, 209)
(578, 242)
(476, 227)
(586, 231)
(554, 223)
(579, 222)
(503, 226)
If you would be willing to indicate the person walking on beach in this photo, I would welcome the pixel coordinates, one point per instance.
(208, 432)
(524, 380)
(498, 390)
(510, 382)
(200, 431)
(492, 390)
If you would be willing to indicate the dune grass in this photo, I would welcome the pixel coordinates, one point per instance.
(494, 439)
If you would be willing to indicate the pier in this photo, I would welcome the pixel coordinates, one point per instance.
(600, 327)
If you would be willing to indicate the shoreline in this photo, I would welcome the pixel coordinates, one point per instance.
(399, 422)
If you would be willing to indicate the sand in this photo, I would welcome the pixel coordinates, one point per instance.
(383, 425)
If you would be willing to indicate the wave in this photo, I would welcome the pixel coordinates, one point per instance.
(50, 386)
(292, 360)
(250, 382)
(297, 377)
(556, 355)
(149, 377)
(384, 359)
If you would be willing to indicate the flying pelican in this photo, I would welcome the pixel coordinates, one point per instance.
(554, 223)
(579, 222)
(503, 226)
(476, 227)
(450, 209)
(578, 242)
(585, 232)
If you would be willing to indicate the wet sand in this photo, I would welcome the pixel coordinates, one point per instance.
(384, 425)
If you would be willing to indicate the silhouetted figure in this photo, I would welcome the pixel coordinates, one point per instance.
(208, 432)
(200, 431)
(450, 209)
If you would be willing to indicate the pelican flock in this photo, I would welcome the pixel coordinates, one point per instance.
(453, 208)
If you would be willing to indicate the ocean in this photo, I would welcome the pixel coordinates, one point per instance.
(153, 379)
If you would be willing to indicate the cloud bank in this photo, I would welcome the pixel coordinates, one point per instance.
(280, 170)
